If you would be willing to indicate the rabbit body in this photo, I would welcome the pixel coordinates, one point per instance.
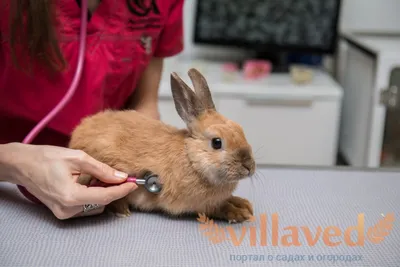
(197, 175)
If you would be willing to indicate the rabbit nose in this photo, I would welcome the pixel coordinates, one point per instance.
(248, 166)
(244, 155)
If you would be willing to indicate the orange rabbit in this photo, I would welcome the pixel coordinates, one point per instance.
(199, 167)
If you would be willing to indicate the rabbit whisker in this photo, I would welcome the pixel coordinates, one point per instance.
(258, 149)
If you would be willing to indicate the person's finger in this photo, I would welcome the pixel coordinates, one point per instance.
(102, 195)
(87, 164)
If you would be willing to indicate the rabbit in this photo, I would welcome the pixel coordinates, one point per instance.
(199, 167)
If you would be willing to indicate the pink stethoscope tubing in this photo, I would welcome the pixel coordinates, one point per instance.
(67, 97)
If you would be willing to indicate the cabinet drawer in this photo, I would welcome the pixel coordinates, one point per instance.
(287, 132)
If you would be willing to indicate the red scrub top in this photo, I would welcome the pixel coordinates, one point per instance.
(122, 37)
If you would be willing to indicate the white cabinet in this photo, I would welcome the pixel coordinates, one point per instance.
(369, 134)
(288, 132)
(286, 124)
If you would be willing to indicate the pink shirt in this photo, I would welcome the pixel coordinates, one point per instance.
(122, 37)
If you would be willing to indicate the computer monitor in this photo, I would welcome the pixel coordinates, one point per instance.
(271, 28)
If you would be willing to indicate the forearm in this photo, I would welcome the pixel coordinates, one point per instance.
(7, 164)
(145, 97)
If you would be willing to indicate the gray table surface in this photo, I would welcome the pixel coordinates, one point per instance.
(31, 236)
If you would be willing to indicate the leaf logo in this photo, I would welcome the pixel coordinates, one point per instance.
(211, 230)
(377, 233)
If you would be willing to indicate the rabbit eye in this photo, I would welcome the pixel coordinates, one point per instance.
(216, 143)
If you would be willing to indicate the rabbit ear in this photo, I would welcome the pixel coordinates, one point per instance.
(201, 88)
(186, 102)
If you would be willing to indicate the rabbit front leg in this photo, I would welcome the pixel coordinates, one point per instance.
(120, 208)
(140, 200)
(234, 210)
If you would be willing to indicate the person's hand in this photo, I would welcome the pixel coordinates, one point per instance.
(48, 172)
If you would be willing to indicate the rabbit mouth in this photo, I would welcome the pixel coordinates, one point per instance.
(228, 175)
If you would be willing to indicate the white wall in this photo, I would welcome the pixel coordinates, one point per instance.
(370, 15)
(375, 15)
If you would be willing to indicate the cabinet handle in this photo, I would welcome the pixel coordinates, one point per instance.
(279, 100)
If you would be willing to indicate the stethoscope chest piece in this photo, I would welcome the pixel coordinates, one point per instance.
(151, 182)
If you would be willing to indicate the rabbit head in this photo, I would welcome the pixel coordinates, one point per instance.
(216, 146)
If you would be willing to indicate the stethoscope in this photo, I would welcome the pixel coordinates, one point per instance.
(150, 182)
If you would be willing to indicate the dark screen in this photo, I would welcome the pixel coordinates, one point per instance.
(299, 23)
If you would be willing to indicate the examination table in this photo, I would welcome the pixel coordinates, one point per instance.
(302, 199)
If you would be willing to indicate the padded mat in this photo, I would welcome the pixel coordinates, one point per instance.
(303, 201)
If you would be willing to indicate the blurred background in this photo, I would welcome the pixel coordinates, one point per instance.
(312, 82)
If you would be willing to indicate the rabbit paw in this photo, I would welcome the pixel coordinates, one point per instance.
(236, 210)
(120, 208)
(125, 214)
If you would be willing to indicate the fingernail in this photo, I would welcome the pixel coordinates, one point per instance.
(121, 175)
